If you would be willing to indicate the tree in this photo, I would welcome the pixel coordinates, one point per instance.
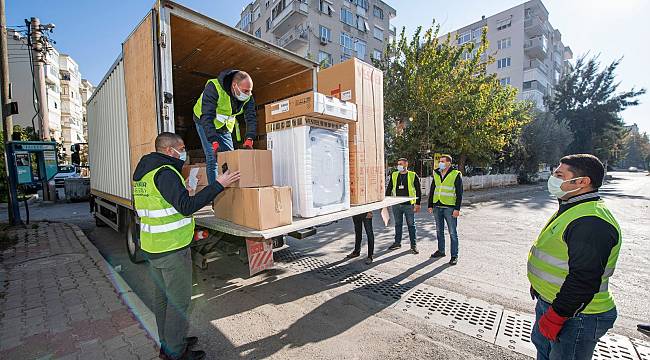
(544, 140)
(586, 98)
(445, 101)
(636, 147)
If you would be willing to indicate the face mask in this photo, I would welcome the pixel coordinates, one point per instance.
(181, 155)
(400, 168)
(241, 97)
(555, 186)
(442, 166)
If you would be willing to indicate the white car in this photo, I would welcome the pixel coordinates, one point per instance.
(632, 169)
(65, 172)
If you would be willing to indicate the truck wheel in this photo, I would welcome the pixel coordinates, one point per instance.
(132, 237)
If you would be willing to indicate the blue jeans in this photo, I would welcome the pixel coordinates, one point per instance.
(225, 144)
(400, 211)
(578, 337)
(442, 215)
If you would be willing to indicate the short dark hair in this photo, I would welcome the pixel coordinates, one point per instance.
(402, 159)
(167, 139)
(586, 165)
(448, 157)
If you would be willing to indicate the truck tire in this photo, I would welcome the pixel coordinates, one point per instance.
(132, 240)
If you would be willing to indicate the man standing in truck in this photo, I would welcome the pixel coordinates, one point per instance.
(215, 115)
(165, 209)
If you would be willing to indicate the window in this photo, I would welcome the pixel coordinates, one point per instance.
(503, 63)
(362, 24)
(504, 24)
(346, 46)
(504, 43)
(324, 59)
(465, 37)
(504, 81)
(325, 33)
(361, 47)
(378, 33)
(246, 20)
(325, 7)
(347, 16)
(268, 24)
(267, 3)
(258, 32)
(376, 54)
(56, 106)
(476, 33)
(378, 12)
(363, 4)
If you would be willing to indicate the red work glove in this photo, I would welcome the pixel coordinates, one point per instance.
(248, 144)
(550, 324)
(215, 147)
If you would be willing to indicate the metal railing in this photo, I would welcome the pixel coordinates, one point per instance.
(299, 32)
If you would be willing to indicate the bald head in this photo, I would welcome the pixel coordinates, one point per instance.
(242, 83)
(165, 140)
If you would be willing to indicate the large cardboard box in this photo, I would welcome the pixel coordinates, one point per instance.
(362, 84)
(255, 166)
(195, 177)
(256, 208)
(311, 104)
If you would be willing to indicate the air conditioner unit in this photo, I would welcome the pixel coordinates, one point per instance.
(323, 40)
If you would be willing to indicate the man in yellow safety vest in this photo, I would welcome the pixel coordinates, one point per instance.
(165, 209)
(404, 182)
(571, 262)
(445, 198)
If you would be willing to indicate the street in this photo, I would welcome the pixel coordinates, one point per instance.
(315, 305)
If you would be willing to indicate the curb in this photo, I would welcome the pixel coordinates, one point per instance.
(139, 311)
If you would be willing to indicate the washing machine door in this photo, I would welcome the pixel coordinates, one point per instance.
(327, 167)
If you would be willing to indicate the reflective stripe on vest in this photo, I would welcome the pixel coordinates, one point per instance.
(548, 259)
(445, 191)
(162, 227)
(410, 185)
(224, 114)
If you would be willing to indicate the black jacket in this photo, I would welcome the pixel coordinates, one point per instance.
(171, 188)
(209, 107)
(402, 179)
(458, 185)
(590, 241)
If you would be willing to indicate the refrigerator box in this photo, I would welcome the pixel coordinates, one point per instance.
(254, 165)
(311, 104)
(311, 156)
(258, 208)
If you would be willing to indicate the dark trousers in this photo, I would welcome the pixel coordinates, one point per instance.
(172, 277)
(362, 221)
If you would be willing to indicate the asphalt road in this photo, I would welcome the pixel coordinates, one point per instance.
(282, 313)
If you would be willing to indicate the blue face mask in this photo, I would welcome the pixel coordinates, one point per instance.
(182, 155)
(442, 166)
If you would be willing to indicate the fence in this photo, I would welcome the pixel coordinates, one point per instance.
(476, 182)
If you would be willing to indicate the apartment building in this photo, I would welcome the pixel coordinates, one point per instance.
(326, 31)
(71, 103)
(529, 51)
(86, 90)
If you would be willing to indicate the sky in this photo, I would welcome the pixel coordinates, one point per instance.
(92, 31)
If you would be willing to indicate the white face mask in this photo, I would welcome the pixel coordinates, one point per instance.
(554, 185)
(241, 97)
(400, 168)
(182, 155)
(442, 166)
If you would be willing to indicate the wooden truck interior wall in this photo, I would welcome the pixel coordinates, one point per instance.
(200, 53)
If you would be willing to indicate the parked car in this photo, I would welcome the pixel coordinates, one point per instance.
(633, 169)
(65, 172)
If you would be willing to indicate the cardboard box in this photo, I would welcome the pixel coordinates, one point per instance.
(256, 208)
(195, 175)
(361, 84)
(311, 104)
(255, 166)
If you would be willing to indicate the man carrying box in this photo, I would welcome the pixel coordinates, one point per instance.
(404, 183)
(166, 231)
(215, 115)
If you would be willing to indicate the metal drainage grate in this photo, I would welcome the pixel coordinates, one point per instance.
(514, 333)
(470, 316)
(613, 346)
(372, 282)
(642, 348)
(286, 256)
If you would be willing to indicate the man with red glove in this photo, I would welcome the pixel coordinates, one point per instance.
(215, 115)
(571, 262)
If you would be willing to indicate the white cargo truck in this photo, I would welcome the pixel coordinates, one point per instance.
(152, 87)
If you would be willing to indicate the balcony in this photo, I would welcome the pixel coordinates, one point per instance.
(289, 17)
(535, 85)
(295, 38)
(536, 47)
(535, 96)
(534, 25)
(536, 64)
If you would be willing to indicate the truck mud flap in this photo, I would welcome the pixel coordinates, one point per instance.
(260, 254)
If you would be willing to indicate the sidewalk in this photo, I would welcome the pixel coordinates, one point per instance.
(476, 196)
(59, 299)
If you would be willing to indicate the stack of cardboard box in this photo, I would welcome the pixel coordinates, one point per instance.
(361, 84)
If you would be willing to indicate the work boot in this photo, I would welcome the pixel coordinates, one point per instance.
(414, 250)
(438, 254)
(644, 329)
(369, 260)
(191, 341)
(352, 255)
(192, 355)
(395, 246)
(454, 260)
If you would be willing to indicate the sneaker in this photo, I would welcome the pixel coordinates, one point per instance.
(644, 329)
(454, 260)
(438, 254)
(414, 250)
(352, 255)
(395, 246)
(191, 341)
(369, 260)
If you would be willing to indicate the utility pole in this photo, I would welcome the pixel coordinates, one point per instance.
(7, 124)
(39, 51)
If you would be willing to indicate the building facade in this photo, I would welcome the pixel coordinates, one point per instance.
(71, 103)
(529, 52)
(326, 31)
(86, 90)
